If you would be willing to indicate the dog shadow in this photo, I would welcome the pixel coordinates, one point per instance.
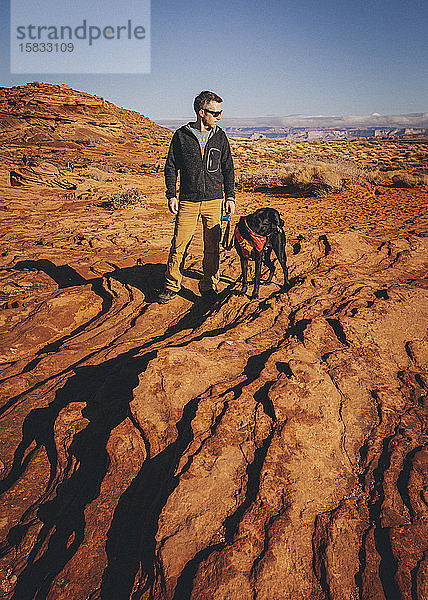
(283, 288)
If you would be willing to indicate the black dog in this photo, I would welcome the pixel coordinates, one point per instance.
(255, 237)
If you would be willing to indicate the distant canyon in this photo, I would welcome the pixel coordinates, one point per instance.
(301, 127)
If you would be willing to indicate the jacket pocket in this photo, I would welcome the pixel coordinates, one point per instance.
(213, 160)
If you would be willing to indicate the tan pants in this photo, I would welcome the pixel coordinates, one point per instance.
(185, 225)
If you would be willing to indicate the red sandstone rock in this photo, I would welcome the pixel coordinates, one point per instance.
(271, 449)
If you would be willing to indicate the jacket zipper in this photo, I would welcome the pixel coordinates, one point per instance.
(206, 159)
(203, 157)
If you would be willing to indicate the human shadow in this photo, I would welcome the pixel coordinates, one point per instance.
(65, 276)
(107, 390)
(148, 278)
(38, 429)
(145, 277)
(192, 319)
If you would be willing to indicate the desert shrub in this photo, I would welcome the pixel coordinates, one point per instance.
(88, 141)
(376, 177)
(131, 197)
(349, 171)
(96, 174)
(316, 180)
(309, 175)
(104, 167)
(251, 178)
(403, 179)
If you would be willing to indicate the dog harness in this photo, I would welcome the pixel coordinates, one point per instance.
(256, 242)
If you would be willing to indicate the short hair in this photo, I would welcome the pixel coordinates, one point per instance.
(205, 98)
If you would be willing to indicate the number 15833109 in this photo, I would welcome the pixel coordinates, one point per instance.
(46, 47)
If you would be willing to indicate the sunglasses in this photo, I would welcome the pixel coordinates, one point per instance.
(214, 113)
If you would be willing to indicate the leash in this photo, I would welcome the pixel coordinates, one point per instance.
(226, 242)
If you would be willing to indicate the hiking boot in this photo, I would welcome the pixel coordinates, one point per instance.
(165, 296)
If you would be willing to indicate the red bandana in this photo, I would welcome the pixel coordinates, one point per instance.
(256, 241)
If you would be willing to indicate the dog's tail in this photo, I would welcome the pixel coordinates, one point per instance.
(227, 241)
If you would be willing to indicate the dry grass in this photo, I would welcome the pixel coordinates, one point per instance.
(315, 180)
(131, 197)
(400, 179)
(313, 176)
(91, 142)
(104, 167)
(97, 174)
(251, 178)
(404, 179)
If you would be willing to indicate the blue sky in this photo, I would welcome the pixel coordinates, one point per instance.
(268, 57)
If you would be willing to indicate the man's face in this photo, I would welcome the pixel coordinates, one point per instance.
(208, 118)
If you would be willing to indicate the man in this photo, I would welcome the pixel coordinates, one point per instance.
(200, 151)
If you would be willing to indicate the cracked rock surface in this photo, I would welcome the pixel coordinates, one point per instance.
(270, 449)
(267, 449)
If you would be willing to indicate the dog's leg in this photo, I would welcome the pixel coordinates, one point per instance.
(244, 269)
(270, 265)
(278, 244)
(257, 275)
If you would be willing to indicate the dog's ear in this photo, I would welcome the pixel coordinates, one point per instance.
(275, 221)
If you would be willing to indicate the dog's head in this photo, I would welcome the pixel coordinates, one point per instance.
(265, 221)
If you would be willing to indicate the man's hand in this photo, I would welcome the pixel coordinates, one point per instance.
(173, 205)
(229, 206)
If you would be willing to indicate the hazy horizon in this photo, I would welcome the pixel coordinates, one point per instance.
(302, 115)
